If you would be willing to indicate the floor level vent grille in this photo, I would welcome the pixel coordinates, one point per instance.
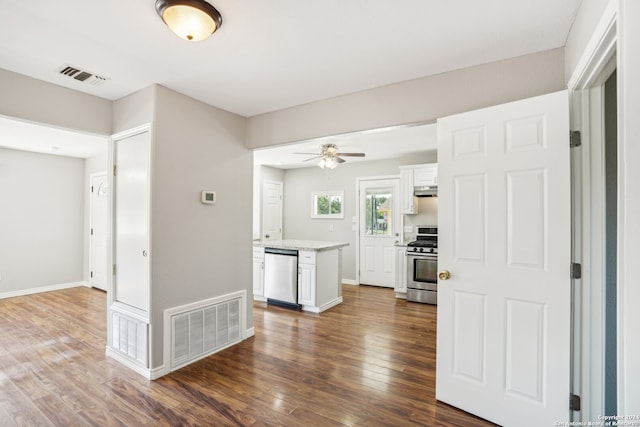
(204, 330)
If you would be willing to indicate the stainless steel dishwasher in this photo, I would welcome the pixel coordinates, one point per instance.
(281, 277)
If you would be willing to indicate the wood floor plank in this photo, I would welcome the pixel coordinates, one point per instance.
(367, 362)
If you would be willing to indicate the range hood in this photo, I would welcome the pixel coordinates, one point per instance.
(427, 191)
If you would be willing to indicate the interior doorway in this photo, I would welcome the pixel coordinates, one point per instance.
(595, 225)
(611, 243)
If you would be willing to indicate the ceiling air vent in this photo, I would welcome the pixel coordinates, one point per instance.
(82, 75)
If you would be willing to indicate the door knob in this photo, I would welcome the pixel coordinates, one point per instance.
(444, 275)
(144, 253)
(266, 236)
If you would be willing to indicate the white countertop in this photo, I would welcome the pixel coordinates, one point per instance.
(302, 245)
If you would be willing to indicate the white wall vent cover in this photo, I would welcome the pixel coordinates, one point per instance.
(202, 331)
(82, 76)
(129, 336)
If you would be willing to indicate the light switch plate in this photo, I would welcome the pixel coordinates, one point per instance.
(408, 228)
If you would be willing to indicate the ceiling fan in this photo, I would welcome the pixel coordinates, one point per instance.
(330, 157)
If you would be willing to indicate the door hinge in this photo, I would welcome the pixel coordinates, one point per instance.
(92, 188)
(114, 170)
(92, 231)
(574, 139)
(576, 270)
(114, 269)
(574, 402)
(92, 274)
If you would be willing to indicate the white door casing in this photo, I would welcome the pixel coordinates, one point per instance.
(131, 221)
(271, 210)
(376, 247)
(503, 340)
(98, 231)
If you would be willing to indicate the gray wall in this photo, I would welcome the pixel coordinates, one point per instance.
(299, 183)
(413, 101)
(198, 251)
(40, 102)
(586, 19)
(41, 220)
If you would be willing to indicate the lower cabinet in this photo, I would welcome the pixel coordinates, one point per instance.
(319, 279)
(401, 272)
(306, 284)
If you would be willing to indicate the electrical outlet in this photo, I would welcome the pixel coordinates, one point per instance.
(408, 228)
(330, 227)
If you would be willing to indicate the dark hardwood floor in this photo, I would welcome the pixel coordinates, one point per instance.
(367, 362)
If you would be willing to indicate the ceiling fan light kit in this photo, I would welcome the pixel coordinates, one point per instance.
(330, 157)
(191, 20)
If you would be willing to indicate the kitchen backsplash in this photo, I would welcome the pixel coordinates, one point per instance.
(428, 215)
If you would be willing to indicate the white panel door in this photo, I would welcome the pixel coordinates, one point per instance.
(271, 210)
(379, 210)
(98, 232)
(504, 235)
(131, 221)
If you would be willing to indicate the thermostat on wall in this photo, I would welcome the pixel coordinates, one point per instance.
(208, 197)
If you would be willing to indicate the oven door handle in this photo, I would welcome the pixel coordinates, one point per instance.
(422, 255)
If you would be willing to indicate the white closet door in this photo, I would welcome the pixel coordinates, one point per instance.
(131, 221)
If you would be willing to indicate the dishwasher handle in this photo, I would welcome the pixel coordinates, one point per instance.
(280, 251)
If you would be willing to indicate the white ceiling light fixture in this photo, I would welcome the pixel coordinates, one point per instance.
(191, 20)
(330, 157)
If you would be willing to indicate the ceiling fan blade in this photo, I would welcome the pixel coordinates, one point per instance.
(312, 154)
(350, 154)
(311, 158)
(338, 159)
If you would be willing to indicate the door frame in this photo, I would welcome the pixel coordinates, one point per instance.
(586, 87)
(111, 297)
(357, 216)
(91, 207)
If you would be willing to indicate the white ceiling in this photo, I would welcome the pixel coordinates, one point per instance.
(270, 55)
(26, 136)
(274, 54)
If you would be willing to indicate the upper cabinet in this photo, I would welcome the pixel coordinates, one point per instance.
(415, 176)
(408, 202)
(425, 175)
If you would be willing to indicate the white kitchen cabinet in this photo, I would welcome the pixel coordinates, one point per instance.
(258, 273)
(307, 278)
(319, 279)
(319, 272)
(425, 175)
(401, 272)
(306, 284)
(408, 202)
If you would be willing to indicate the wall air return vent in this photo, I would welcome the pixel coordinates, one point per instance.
(82, 76)
(196, 330)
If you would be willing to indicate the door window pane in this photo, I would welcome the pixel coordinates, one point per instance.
(379, 211)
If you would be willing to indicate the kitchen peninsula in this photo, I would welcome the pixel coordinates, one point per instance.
(319, 272)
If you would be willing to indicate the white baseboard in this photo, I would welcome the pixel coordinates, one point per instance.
(120, 358)
(349, 282)
(248, 333)
(42, 289)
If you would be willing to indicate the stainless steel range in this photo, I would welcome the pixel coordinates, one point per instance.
(422, 266)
